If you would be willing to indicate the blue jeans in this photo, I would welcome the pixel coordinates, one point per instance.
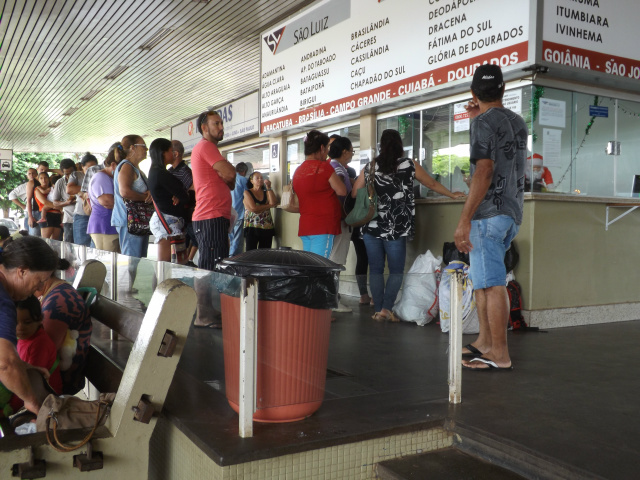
(35, 231)
(395, 252)
(132, 245)
(80, 235)
(235, 238)
(318, 244)
(490, 238)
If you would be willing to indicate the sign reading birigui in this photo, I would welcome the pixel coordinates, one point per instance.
(593, 35)
(343, 55)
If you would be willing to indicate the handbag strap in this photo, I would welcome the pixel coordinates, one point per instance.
(161, 217)
(370, 179)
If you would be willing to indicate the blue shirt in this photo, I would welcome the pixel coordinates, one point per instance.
(8, 317)
(237, 196)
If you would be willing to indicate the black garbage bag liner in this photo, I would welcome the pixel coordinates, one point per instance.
(318, 290)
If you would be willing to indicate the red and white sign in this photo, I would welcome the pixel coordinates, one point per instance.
(592, 35)
(341, 56)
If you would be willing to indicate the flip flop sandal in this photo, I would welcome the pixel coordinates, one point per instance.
(491, 366)
(378, 317)
(473, 351)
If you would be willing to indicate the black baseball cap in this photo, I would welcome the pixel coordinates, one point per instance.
(486, 78)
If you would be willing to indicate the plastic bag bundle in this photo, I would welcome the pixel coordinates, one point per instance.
(419, 298)
(470, 322)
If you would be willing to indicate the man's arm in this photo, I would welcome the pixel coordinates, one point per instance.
(227, 172)
(480, 183)
(72, 187)
(30, 189)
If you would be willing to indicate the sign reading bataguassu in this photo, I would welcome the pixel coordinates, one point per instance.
(596, 35)
(343, 55)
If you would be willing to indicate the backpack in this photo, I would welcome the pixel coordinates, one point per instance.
(516, 320)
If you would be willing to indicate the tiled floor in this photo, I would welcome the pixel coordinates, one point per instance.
(572, 395)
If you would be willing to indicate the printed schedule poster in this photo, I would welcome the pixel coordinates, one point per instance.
(592, 35)
(344, 55)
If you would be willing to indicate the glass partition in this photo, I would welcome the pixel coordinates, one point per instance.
(438, 138)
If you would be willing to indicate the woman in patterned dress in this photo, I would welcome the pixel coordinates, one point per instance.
(385, 236)
(258, 202)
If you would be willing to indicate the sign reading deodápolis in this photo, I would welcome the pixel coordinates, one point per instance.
(596, 35)
(343, 55)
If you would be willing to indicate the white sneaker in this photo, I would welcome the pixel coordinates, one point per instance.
(342, 309)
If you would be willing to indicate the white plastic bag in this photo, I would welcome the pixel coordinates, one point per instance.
(470, 322)
(419, 298)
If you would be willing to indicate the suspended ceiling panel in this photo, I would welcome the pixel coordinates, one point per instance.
(77, 75)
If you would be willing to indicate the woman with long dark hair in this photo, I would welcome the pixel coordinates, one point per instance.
(317, 186)
(51, 221)
(385, 237)
(170, 197)
(25, 265)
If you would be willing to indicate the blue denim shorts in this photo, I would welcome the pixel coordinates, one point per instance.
(490, 238)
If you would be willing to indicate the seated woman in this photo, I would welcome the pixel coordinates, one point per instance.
(66, 320)
(170, 197)
(258, 201)
(104, 235)
(25, 264)
(51, 219)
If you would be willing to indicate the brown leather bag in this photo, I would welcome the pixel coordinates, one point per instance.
(67, 412)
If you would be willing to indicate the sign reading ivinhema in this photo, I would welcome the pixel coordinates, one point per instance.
(341, 56)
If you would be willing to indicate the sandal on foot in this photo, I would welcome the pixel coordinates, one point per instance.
(473, 351)
(378, 317)
(491, 366)
(393, 318)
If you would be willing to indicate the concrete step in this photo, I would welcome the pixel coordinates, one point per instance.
(445, 464)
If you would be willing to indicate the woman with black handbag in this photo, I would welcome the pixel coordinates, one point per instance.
(385, 236)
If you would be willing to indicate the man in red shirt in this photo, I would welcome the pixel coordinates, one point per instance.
(213, 179)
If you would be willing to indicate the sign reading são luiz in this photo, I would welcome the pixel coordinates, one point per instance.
(345, 55)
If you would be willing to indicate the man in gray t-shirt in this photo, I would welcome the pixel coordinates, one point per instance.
(492, 214)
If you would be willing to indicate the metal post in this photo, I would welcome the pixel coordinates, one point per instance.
(455, 340)
(114, 287)
(159, 272)
(248, 354)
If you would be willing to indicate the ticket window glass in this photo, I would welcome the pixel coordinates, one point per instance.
(575, 134)
(295, 149)
(438, 138)
(256, 158)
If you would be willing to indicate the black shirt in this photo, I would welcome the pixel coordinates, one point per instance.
(163, 187)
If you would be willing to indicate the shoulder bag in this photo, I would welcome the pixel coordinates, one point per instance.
(138, 213)
(289, 200)
(366, 202)
(68, 412)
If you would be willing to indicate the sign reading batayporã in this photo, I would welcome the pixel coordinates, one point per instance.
(344, 55)
(596, 35)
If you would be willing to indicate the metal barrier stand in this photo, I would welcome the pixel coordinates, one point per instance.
(248, 354)
(455, 340)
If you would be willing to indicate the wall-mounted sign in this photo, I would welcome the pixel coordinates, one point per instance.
(240, 119)
(592, 35)
(274, 158)
(6, 159)
(340, 56)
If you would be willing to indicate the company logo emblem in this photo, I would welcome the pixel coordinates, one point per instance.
(273, 39)
(488, 77)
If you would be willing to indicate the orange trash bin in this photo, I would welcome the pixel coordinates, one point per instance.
(293, 339)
